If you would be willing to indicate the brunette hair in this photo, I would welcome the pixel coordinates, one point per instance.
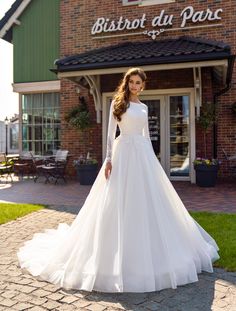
(121, 97)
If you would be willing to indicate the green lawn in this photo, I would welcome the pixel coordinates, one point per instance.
(9, 211)
(222, 227)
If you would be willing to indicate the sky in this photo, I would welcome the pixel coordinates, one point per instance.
(8, 99)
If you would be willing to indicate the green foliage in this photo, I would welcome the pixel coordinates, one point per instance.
(207, 116)
(222, 228)
(12, 211)
(78, 116)
(207, 162)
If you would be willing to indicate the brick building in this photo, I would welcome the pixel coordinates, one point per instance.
(68, 48)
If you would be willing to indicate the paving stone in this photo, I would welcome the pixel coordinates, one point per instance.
(8, 302)
(37, 308)
(96, 307)
(15, 287)
(23, 297)
(216, 289)
(158, 298)
(82, 303)
(22, 306)
(67, 307)
(69, 299)
(38, 301)
(9, 294)
(27, 289)
(38, 284)
(219, 295)
(221, 288)
(41, 293)
(112, 304)
(94, 297)
(224, 282)
(51, 288)
(51, 305)
(222, 303)
(55, 296)
(22, 281)
(151, 305)
(81, 295)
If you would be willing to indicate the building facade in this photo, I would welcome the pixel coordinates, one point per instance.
(66, 49)
(9, 136)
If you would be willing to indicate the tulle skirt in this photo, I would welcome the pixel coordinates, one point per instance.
(133, 233)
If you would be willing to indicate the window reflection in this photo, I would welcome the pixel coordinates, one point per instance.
(179, 135)
(154, 124)
(41, 123)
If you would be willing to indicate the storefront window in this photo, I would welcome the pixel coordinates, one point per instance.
(41, 123)
(14, 130)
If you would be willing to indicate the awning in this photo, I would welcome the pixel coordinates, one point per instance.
(169, 51)
(168, 54)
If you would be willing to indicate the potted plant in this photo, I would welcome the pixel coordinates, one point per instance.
(206, 168)
(86, 169)
(206, 171)
(78, 117)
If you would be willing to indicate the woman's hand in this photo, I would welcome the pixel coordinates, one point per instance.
(108, 169)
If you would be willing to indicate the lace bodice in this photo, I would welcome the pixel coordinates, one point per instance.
(133, 121)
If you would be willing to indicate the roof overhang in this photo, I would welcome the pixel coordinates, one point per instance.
(100, 71)
(167, 54)
(221, 66)
(11, 18)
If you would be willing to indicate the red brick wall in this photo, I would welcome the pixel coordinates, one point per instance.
(79, 143)
(165, 79)
(77, 18)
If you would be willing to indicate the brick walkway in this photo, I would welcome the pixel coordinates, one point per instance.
(221, 198)
(20, 291)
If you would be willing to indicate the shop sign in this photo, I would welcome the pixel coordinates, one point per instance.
(160, 23)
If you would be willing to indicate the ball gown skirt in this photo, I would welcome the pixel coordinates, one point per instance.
(133, 233)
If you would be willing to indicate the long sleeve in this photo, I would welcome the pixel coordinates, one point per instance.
(146, 132)
(111, 132)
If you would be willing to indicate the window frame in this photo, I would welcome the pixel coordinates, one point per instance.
(48, 128)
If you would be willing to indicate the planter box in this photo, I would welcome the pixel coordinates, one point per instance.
(206, 175)
(87, 173)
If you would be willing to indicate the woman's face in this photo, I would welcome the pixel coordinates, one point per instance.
(136, 84)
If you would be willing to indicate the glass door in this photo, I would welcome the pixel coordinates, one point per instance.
(179, 133)
(154, 121)
(169, 127)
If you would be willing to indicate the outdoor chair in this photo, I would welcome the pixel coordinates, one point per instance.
(231, 162)
(56, 168)
(38, 164)
(5, 167)
(24, 165)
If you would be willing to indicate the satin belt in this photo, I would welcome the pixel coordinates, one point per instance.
(133, 139)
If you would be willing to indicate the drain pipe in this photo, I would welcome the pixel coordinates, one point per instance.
(231, 60)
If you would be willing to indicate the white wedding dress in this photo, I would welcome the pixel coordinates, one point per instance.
(133, 233)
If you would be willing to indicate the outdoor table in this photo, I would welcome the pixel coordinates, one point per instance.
(12, 157)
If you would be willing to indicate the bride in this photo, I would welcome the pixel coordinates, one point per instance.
(133, 233)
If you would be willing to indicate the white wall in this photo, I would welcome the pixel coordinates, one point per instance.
(3, 138)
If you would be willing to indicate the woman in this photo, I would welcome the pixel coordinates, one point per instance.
(133, 233)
